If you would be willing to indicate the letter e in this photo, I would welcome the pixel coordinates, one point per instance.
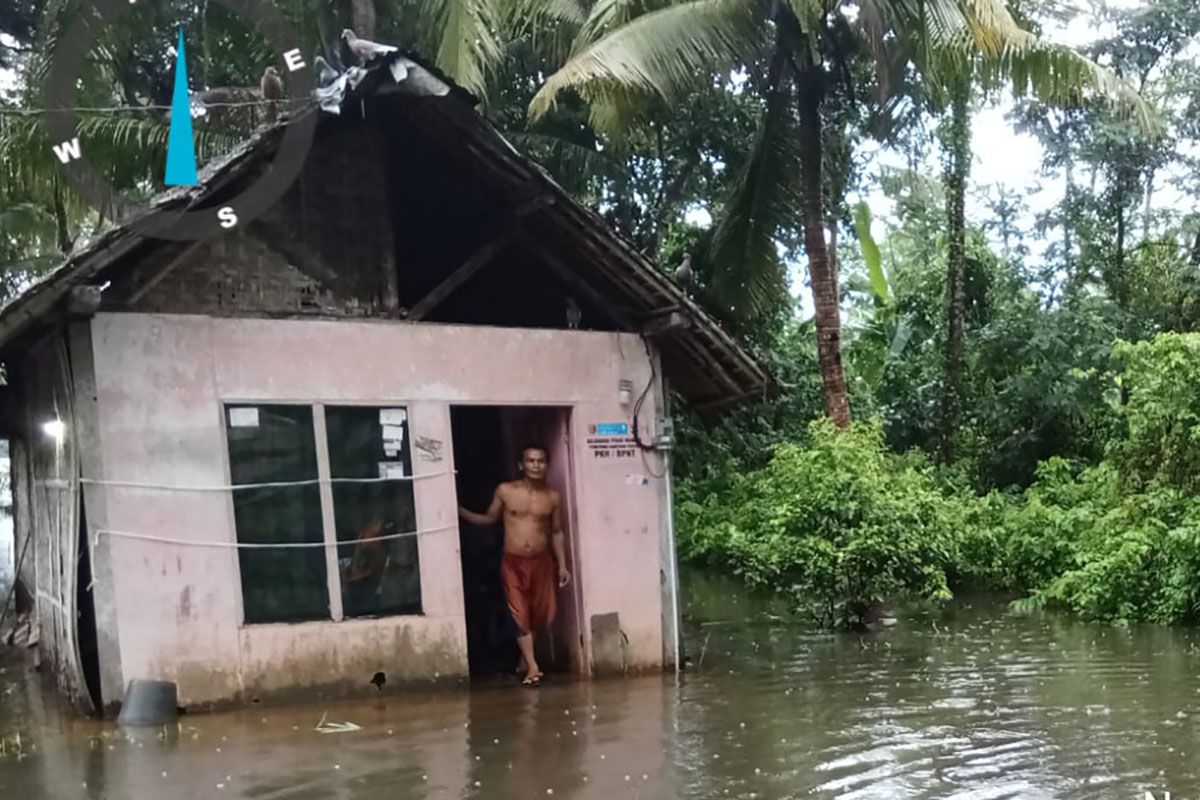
(294, 60)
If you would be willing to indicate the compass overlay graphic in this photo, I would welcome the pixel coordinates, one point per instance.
(179, 171)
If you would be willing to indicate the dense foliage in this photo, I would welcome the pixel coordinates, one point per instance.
(837, 522)
(844, 524)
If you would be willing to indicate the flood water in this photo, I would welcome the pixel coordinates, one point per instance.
(973, 703)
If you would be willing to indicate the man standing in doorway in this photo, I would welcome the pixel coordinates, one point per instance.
(534, 562)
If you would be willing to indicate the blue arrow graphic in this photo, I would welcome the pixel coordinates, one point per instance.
(181, 151)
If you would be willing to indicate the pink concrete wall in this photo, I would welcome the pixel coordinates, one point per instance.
(161, 385)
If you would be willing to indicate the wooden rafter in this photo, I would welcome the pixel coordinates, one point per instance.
(500, 234)
(578, 284)
(156, 276)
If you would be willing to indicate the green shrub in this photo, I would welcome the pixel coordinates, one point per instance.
(1162, 412)
(840, 525)
(1132, 524)
(1135, 556)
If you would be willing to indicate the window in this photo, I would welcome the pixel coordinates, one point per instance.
(275, 444)
(370, 470)
(366, 444)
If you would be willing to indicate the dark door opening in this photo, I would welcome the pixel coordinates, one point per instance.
(89, 654)
(488, 441)
(479, 461)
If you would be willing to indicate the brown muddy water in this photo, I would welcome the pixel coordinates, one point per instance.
(974, 703)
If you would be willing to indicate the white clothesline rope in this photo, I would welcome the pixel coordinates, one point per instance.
(144, 537)
(234, 487)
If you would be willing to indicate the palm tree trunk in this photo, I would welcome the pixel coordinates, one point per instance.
(1148, 213)
(362, 18)
(1069, 219)
(821, 269)
(61, 226)
(957, 144)
(1119, 260)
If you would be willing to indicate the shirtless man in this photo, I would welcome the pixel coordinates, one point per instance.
(533, 551)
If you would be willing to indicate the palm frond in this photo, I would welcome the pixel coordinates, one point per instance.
(810, 12)
(1059, 76)
(128, 151)
(551, 26)
(949, 38)
(603, 17)
(661, 54)
(465, 36)
(576, 165)
(992, 27)
(747, 272)
(982, 26)
(531, 13)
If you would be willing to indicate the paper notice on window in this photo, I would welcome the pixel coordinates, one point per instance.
(391, 471)
(393, 416)
(393, 437)
(243, 417)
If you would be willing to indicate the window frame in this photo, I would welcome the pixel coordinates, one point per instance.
(328, 516)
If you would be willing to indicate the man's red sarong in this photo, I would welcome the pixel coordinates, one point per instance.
(530, 583)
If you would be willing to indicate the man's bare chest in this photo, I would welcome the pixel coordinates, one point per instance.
(525, 505)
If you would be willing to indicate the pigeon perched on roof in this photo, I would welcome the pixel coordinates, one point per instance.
(574, 314)
(272, 91)
(363, 49)
(684, 274)
(326, 74)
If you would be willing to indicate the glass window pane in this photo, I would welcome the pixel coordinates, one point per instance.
(377, 578)
(269, 444)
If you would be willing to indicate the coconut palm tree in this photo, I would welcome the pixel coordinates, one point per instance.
(954, 73)
(795, 53)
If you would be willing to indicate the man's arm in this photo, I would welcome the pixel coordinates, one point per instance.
(556, 540)
(489, 517)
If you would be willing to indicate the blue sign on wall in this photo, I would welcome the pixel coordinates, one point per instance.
(612, 429)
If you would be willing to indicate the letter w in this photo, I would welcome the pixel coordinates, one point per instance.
(68, 151)
(1150, 796)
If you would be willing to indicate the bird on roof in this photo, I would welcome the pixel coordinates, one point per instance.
(684, 275)
(272, 91)
(378, 680)
(363, 49)
(326, 74)
(574, 314)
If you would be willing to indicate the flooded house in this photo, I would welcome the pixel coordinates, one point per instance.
(237, 462)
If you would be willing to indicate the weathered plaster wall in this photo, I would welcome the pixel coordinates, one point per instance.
(161, 383)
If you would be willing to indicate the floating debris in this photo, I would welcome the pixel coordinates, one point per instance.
(336, 727)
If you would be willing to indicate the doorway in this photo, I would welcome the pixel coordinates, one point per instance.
(86, 634)
(488, 441)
